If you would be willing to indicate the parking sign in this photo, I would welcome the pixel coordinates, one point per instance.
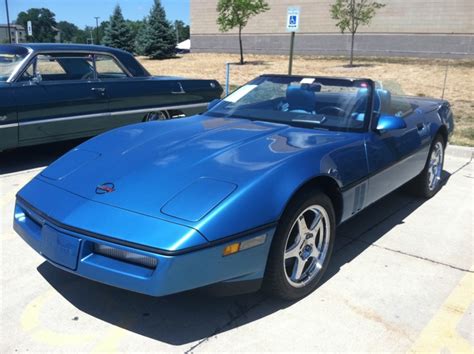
(29, 28)
(293, 19)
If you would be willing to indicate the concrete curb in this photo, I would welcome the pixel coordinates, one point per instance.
(460, 151)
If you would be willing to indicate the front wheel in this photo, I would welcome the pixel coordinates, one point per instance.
(301, 247)
(428, 182)
(154, 116)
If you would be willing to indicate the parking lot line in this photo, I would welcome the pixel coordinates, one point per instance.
(440, 335)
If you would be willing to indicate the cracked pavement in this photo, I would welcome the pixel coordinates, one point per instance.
(398, 267)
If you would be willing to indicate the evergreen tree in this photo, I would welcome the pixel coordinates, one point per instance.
(118, 33)
(157, 39)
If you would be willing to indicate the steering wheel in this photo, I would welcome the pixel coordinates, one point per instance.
(334, 109)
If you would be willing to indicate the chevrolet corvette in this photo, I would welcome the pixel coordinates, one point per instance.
(245, 196)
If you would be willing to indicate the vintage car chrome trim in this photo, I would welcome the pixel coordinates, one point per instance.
(145, 110)
(12, 125)
(115, 113)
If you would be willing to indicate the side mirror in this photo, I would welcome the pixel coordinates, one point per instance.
(213, 103)
(387, 122)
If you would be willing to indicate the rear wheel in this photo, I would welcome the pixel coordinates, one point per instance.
(428, 182)
(158, 115)
(301, 247)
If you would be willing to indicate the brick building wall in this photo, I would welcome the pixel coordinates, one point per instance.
(434, 28)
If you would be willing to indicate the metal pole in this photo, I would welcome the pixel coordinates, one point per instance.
(292, 45)
(8, 22)
(227, 76)
(97, 29)
(445, 79)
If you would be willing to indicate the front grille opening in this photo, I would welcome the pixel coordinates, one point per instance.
(126, 256)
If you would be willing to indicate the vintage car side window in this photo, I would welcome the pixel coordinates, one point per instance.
(59, 67)
(108, 68)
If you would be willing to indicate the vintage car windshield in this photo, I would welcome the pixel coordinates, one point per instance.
(9, 63)
(324, 103)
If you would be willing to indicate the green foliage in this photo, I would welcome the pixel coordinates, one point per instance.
(236, 14)
(156, 39)
(182, 30)
(69, 32)
(351, 14)
(118, 33)
(43, 22)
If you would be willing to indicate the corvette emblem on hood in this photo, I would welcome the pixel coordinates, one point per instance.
(105, 188)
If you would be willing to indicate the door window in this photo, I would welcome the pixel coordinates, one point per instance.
(59, 67)
(108, 68)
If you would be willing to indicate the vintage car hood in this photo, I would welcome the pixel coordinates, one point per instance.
(179, 169)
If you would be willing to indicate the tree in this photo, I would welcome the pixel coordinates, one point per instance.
(157, 39)
(69, 32)
(118, 33)
(351, 14)
(236, 13)
(43, 22)
(182, 30)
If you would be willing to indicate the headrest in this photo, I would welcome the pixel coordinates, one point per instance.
(299, 98)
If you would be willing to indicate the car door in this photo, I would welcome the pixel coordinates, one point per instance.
(131, 99)
(59, 97)
(395, 156)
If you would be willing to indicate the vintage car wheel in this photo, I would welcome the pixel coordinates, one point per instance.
(429, 181)
(158, 115)
(301, 248)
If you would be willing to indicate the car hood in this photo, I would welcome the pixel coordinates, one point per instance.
(179, 169)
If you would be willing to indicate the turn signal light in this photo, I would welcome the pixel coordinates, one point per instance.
(244, 245)
(230, 249)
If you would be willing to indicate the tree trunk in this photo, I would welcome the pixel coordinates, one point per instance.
(352, 50)
(241, 49)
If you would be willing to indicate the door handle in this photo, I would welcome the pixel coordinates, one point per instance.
(100, 90)
(181, 90)
(420, 126)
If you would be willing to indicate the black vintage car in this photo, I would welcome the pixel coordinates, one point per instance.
(52, 92)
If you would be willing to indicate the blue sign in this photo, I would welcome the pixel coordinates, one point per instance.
(293, 19)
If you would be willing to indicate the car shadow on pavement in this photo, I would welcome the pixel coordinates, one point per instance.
(30, 157)
(194, 316)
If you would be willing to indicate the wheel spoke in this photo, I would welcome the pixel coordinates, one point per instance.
(298, 267)
(316, 222)
(302, 226)
(293, 251)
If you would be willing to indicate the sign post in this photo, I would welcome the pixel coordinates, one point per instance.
(29, 28)
(292, 25)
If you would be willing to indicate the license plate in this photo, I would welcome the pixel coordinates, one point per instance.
(59, 248)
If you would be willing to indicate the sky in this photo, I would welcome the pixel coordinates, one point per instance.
(82, 12)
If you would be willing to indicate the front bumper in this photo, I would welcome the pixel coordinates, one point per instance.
(75, 253)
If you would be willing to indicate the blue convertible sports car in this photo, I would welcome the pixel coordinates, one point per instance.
(247, 194)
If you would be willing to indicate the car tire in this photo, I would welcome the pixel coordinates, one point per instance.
(158, 115)
(298, 260)
(429, 181)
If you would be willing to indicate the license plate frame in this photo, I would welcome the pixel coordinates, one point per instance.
(59, 247)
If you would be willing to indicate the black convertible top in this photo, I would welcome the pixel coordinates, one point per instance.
(127, 59)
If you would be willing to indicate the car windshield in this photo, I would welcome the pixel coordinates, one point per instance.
(9, 63)
(323, 103)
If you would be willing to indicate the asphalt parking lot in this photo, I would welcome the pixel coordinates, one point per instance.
(401, 280)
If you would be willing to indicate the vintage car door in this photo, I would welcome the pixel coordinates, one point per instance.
(131, 99)
(8, 118)
(59, 97)
(395, 156)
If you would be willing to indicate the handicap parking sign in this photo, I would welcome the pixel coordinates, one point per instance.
(293, 19)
